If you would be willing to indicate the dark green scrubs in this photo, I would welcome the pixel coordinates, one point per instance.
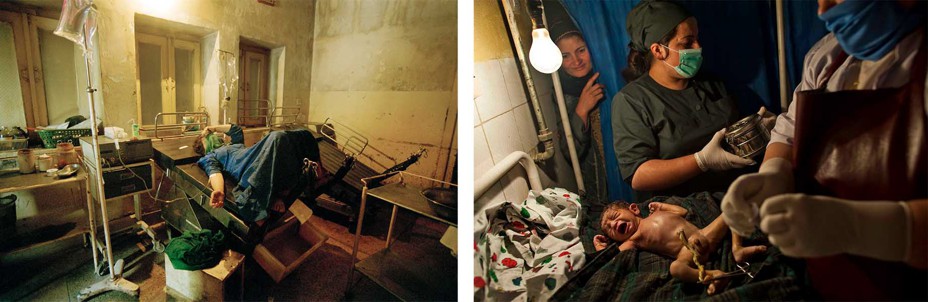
(651, 121)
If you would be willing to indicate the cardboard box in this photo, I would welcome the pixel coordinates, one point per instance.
(223, 282)
(288, 246)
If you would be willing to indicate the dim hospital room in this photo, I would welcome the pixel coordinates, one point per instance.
(700, 150)
(228, 150)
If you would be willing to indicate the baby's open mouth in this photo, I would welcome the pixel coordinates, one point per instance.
(623, 226)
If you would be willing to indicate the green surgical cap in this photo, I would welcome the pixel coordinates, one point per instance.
(212, 141)
(651, 20)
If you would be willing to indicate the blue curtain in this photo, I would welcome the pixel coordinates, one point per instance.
(739, 45)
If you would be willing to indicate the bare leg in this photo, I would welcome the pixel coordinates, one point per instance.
(743, 253)
(685, 270)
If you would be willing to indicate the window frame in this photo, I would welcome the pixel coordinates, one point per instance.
(168, 44)
(28, 66)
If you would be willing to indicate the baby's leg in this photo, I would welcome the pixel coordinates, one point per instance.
(686, 270)
(708, 238)
(743, 253)
(683, 268)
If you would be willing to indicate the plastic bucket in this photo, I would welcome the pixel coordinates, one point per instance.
(7, 217)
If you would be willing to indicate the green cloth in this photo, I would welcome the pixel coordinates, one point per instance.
(650, 121)
(196, 250)
(212, 141)
(651, 20)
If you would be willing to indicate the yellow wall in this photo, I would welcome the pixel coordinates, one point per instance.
(503, 119)
(489, 32)
(388, 70)
(288, 25)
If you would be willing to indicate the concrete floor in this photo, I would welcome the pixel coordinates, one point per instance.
(323, 277)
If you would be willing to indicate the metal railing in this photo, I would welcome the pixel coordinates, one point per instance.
(353, 142)
(199, 121)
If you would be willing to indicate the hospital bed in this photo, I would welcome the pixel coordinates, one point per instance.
(176, 157)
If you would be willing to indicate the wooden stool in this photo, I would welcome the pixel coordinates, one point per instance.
(225, 281)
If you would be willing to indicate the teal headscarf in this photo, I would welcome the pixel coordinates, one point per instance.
(212, 141)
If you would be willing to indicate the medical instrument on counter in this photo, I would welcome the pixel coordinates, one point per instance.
(68, 171)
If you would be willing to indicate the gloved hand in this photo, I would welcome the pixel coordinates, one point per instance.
(816, 226)
(745, 195)
(713, 157)
(769, 120)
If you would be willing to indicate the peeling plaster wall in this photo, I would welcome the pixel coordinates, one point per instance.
(289, 25)
(503, 117)
(388, 69)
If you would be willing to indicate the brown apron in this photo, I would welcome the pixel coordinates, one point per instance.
(864, 145)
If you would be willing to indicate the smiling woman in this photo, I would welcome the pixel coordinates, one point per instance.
(582, 96)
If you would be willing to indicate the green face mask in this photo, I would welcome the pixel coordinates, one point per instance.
(690, 61)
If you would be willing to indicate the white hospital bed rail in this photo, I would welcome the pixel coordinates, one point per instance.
(500, 169)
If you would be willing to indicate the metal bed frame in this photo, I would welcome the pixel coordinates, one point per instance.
(178, 160)
(201, 117)
(274, 116)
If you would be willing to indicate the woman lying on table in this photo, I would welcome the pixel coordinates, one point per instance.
(267, 173)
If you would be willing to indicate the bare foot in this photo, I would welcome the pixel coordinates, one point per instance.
(742, 254)
(715, 285)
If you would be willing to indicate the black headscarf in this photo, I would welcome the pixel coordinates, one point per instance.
(560, 25)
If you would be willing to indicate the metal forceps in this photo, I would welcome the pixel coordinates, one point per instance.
(743, 269)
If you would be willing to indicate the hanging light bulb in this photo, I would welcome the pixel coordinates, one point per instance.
(544, 55)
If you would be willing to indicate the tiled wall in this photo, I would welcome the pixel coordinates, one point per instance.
(503, 115)
(503, 123)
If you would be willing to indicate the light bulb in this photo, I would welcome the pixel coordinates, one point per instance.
(544, 55)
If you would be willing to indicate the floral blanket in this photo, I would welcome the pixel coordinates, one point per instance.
(525, 251)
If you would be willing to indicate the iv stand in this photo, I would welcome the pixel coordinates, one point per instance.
(115, 282)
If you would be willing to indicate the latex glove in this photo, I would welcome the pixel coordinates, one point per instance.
(747, 193)
(713, 157)
(817, 226)
(769, 120)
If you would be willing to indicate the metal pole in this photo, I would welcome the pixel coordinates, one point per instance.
(781, 56)
(115, 282)
(565, 122)
(96, 165)
(545, 136)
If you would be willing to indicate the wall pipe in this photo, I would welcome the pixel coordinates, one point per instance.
(492, 176)
(545, 136)
(565, 119)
